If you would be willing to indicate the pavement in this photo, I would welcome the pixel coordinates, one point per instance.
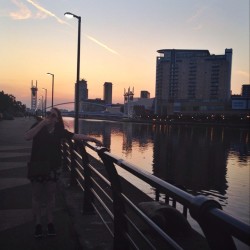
(74, 230)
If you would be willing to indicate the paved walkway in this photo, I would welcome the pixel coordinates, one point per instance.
(74, 230)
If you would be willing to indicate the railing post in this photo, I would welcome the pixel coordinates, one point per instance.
(64, 154)
(73, 164)
(120, 224)
(217, 235)
(88, 195)
(157, 195)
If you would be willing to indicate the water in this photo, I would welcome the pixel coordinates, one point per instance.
(213, 161)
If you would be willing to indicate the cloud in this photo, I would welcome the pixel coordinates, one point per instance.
(195, 18)
(102, 45)
(197, 14)
(22, 13)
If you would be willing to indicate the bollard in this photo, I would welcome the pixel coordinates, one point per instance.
(217, 236)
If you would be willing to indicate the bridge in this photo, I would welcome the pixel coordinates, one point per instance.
(86, 106)
(90, 109)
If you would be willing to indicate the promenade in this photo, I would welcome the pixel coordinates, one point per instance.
(74, 229)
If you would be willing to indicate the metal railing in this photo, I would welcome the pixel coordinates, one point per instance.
(118, 203)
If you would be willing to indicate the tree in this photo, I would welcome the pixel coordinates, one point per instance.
(9, 104)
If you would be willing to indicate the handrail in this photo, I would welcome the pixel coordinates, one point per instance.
(207, 212)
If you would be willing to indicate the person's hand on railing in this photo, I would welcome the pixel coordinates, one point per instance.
(86, 138)
(97, 142)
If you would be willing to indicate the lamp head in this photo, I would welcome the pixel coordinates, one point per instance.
(68, 15)
(71, 15)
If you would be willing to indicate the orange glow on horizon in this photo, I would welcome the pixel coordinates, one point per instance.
(119, 46)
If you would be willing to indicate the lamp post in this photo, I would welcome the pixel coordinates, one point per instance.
(37, 106)
(42, 106)
(45, 102)
(52, 99)
(70, 15)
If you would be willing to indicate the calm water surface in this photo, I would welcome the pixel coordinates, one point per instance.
(213, 161)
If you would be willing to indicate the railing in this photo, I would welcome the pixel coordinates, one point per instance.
(123, 207)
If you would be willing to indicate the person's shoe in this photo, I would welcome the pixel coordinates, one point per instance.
(51, 230)
(38, 231)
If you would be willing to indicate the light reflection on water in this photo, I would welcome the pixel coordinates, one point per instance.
(212, 161)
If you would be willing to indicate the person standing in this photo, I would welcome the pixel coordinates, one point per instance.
(47, 135)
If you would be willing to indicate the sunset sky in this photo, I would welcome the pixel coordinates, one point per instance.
(119, 40)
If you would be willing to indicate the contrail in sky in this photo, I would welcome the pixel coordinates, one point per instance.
(63, 22)
(102, 45)
(46, 11)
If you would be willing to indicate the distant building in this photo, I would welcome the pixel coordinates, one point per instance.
(107, 92)
(83, 93)
(192, 81)
(145, 94)
(245, 90)
(96, 101)
(132, 106)
(242, 102)
(83, 90)
(128, 99)
(93, 105)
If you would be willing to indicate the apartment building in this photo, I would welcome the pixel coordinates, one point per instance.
(107, 92)
(192, 81)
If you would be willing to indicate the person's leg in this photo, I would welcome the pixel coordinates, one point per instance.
(51, 196)
(37, 188)
(37, 201)
(50, 187)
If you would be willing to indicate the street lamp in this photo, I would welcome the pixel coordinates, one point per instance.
(70, 15)
(42, 105)
(52, 101)
(45, 103)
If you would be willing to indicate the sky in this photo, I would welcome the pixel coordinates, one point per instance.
(119, 42)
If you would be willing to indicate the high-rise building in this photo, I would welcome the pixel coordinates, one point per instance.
(107, 92)
(83, 90)
(83, 94)
(192, 81)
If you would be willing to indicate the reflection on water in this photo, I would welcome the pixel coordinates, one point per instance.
(192, 157)
(213, 161)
